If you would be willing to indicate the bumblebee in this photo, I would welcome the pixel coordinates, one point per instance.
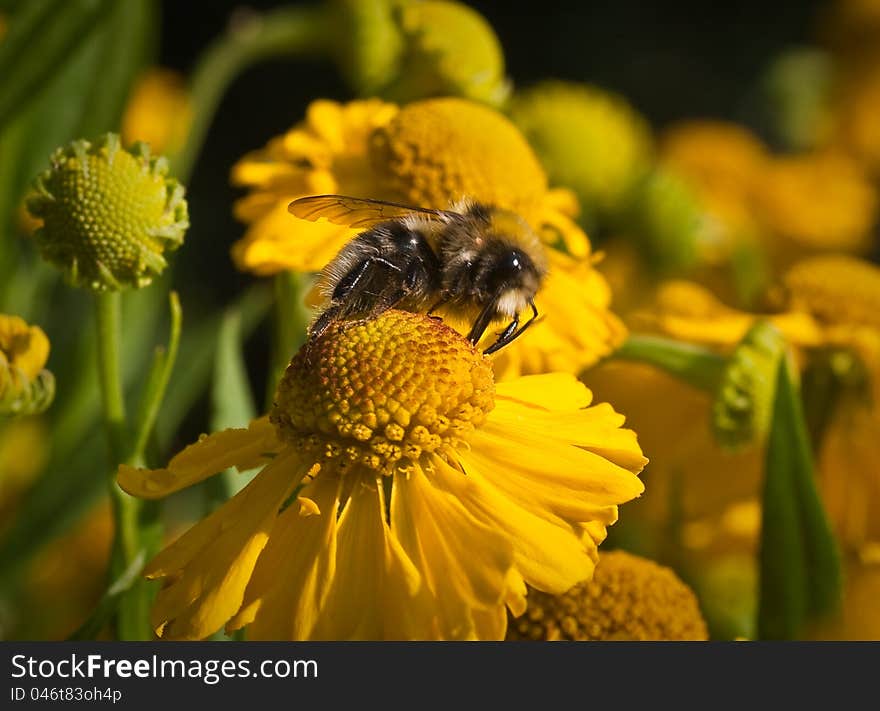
(476, 261)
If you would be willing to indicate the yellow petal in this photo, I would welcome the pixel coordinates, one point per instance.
(377, 593)
(549, 556)
(597, 429)
(293, 575)
(463, 561)
(574, 487)
(242, 448)
(25, 347)
(210, 565)
(551, 391)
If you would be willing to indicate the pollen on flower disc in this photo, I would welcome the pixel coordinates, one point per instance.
(383, 391)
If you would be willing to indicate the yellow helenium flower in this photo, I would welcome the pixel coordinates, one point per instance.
(25, 387)
(405, 495)
(158, 111)
(629, 599)
(429, 154)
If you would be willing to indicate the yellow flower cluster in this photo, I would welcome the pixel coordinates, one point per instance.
(25, 386)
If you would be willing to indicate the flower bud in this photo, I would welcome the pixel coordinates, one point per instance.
(109, 214)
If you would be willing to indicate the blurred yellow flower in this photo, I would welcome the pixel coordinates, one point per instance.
(62, 584)
(859, 615)
(629, 599)
(854, 103)
(25, 386)
(817, 202)
(426, 496)
(158, 111)
(588, 139)
(24, 450)
(719, 157)
(429, 154)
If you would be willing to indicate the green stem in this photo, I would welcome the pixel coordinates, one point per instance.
(289, 329)
(693, 364)
(297, 31)
(107, 313)
(127, 510)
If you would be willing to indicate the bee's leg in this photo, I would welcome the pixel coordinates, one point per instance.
(319, 325)
(349, 282)
(442, 300)
(510, 333)
(482, 323)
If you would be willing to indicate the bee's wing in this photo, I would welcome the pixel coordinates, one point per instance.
(359, 212)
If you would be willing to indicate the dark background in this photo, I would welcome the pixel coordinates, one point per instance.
(672, 60)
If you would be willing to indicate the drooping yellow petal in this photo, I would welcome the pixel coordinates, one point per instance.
(293, 575)
(569, 485)
(549, 556)
(463, 561)
(241, 448)
(377, 592)
(597, 429)
(210, 565)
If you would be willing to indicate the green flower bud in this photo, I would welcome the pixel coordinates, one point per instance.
(588, 139)
(743, 401)
(404, 50)
(666, 219)
(108, 214)
(369, 43)
(795, 94)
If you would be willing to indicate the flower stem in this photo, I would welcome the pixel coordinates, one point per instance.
(693, 364)
(298, 31)
(107, 312)
(132, 620)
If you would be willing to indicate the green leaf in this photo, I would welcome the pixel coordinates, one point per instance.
(42, 36)
(231, 397)
(127, 42)
(232, 402)
(695, 365)
(799, 562)
(198, 349)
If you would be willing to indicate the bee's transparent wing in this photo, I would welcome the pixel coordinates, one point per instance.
(359, 212)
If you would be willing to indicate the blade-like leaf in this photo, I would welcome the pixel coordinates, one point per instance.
(42, 36)
(799, 562)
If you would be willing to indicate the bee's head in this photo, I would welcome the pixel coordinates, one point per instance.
(512, 262)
